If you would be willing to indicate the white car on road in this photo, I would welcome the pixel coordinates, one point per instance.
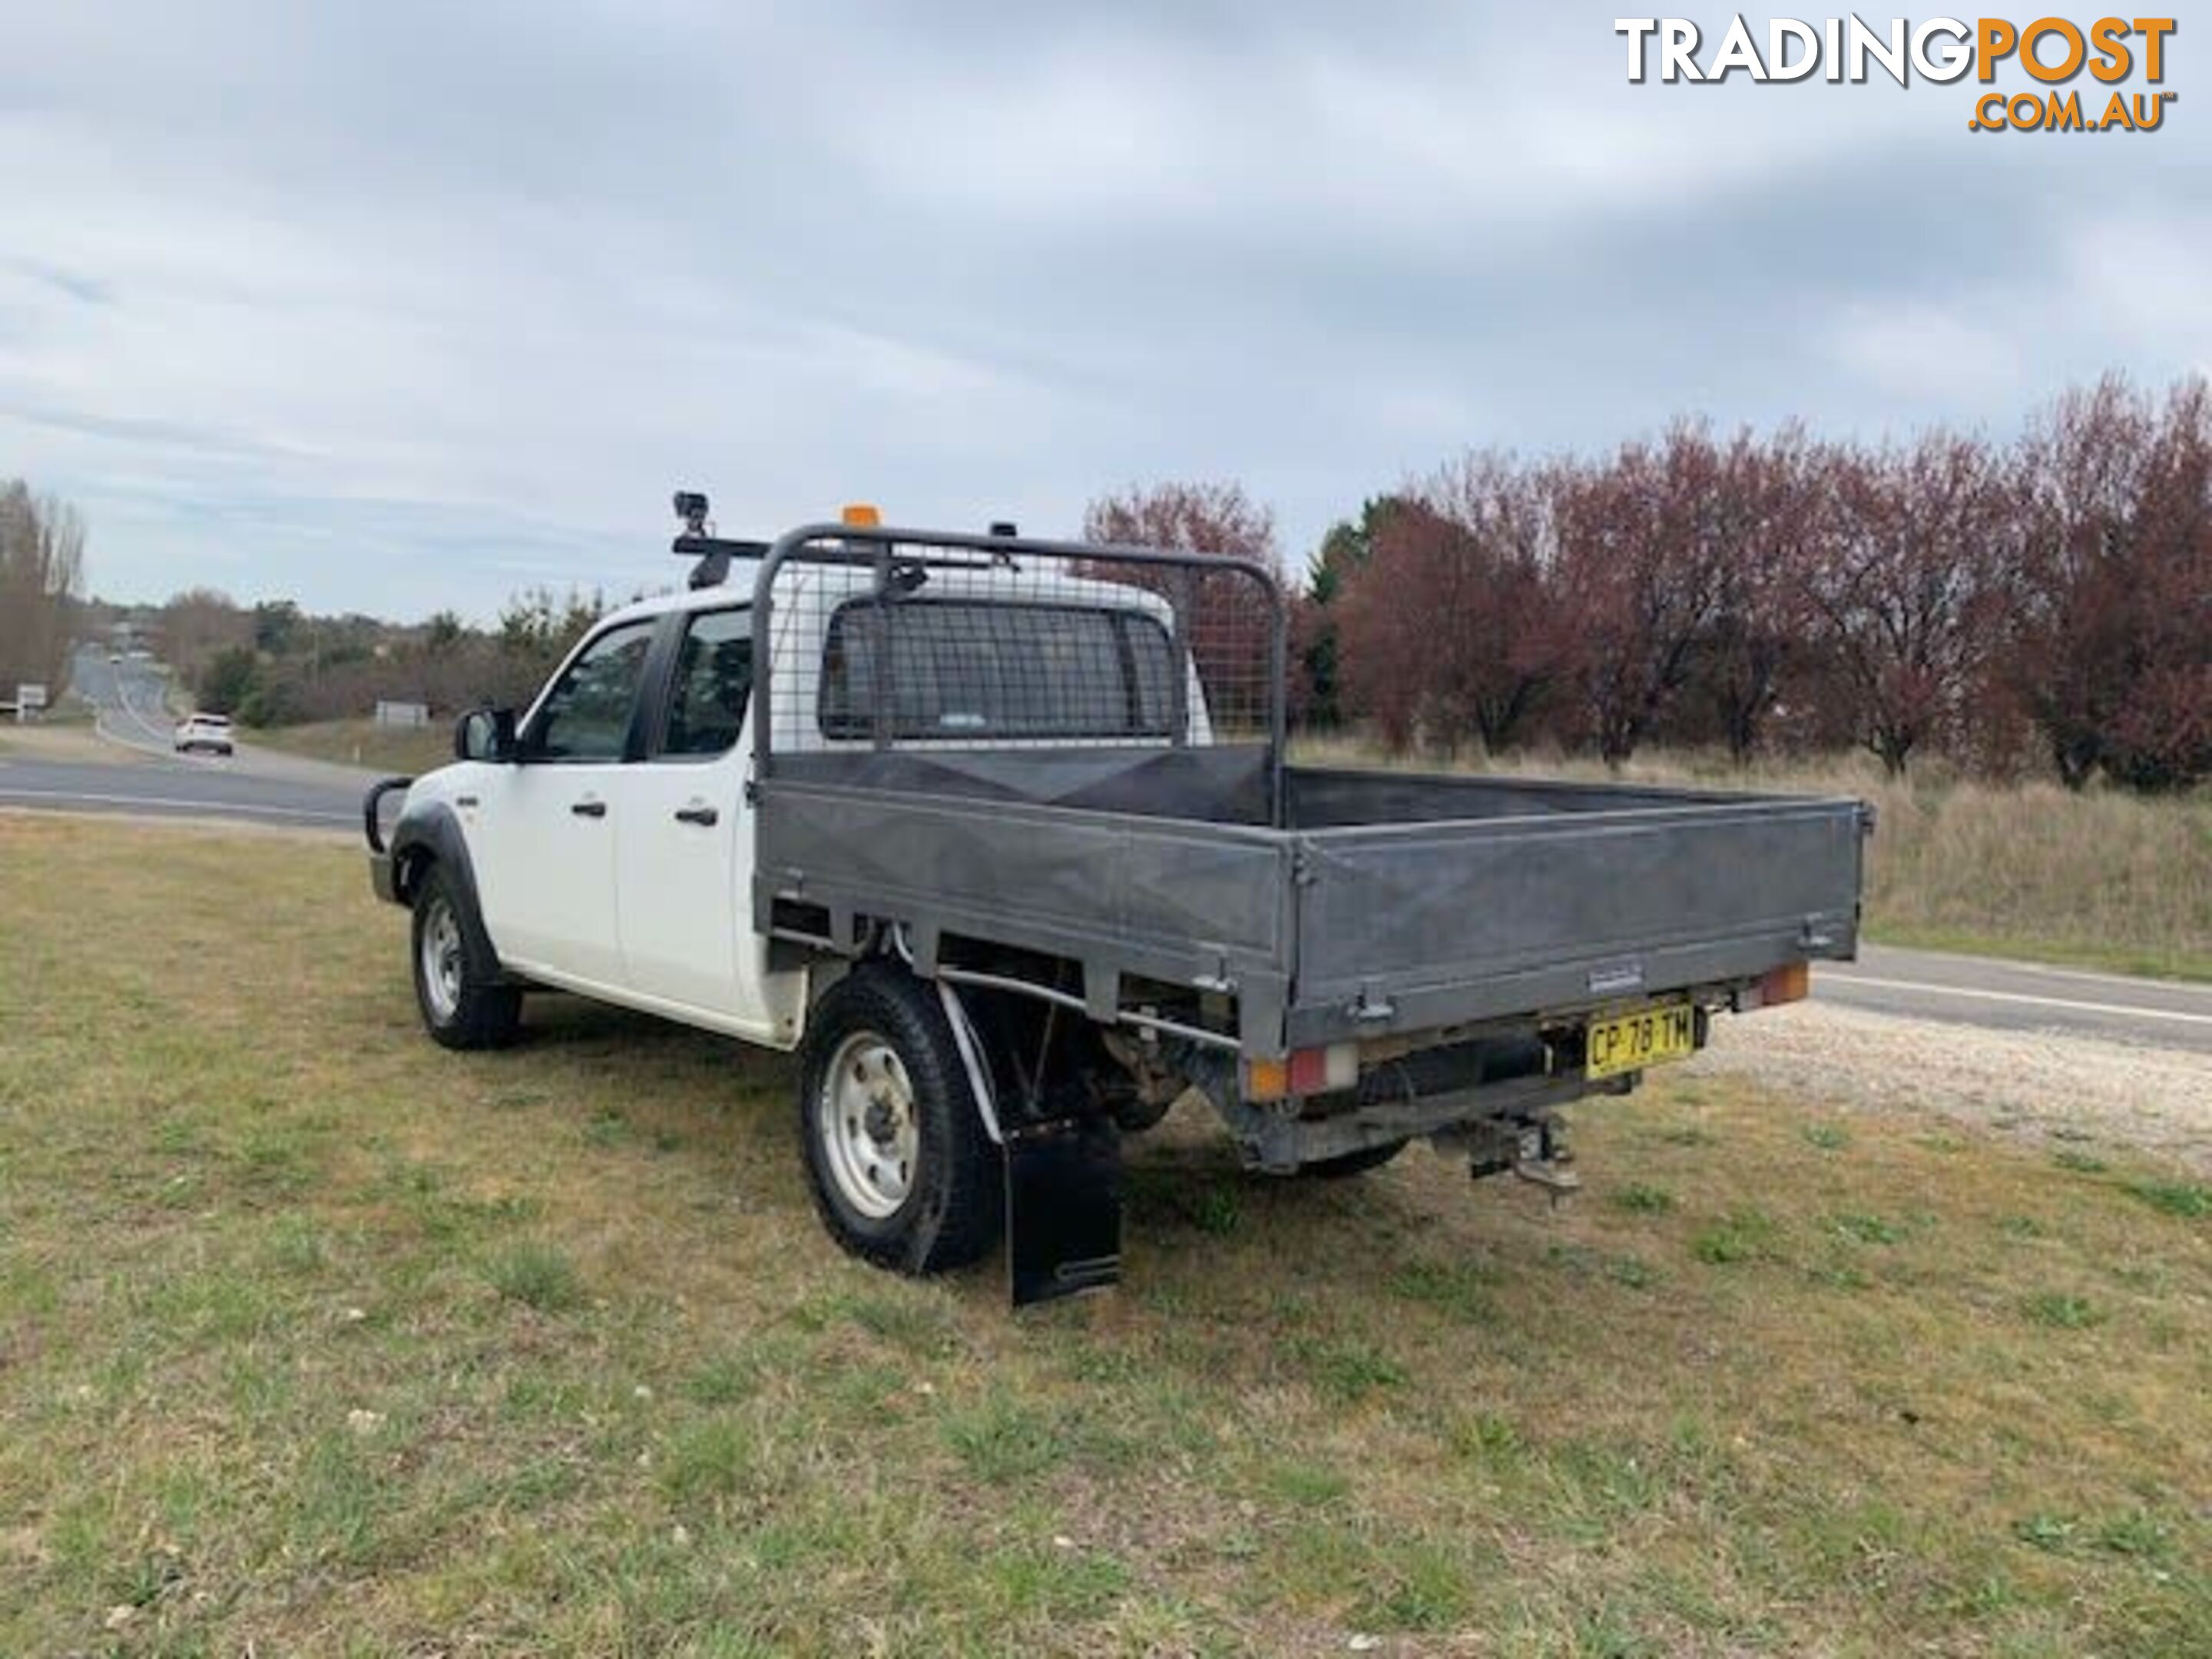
(211, 733)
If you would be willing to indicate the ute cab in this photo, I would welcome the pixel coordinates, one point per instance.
(609, 828)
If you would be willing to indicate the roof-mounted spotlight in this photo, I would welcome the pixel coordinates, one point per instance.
(697, 542)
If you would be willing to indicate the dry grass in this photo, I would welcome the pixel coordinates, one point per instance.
(2102, 879)
(68, 715)
(316, 1339)
(67, 740)
(363, 743)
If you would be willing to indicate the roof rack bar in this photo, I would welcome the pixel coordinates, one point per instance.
(699, 542)
(714, 554)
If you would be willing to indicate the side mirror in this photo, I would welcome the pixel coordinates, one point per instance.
(485, 734)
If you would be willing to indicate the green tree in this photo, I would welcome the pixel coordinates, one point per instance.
(537, 625)
(228, 682)
(1343, 551)
(276, 627)
(444, 632)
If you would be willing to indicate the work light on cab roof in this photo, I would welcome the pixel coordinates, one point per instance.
(698, 541)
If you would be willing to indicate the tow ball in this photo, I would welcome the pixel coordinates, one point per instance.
(1535, 1149)
(1543, 1159)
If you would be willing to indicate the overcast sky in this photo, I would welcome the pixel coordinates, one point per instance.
(401, 306)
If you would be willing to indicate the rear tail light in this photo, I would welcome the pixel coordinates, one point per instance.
(1793, 983)
(1306, 1071)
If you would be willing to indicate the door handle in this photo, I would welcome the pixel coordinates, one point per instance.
(588, 809)
(699, 815)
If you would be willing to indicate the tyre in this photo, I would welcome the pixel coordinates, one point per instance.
(457, 987)
(1352, 1164)
(902, 1171)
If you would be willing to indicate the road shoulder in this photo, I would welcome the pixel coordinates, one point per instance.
(81, 745)
(2072, 1090)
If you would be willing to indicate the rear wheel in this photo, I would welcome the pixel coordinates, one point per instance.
(901, 1172)
(457, 987)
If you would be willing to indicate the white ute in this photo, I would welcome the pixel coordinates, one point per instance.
(1000, 833)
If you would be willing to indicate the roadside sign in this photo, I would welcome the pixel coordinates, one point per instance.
(30, 695)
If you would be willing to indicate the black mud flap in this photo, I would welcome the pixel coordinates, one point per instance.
(1063, 1209)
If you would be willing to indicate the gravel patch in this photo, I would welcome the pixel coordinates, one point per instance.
(2041, 1087)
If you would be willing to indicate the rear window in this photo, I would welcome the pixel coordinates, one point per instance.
(953, 669)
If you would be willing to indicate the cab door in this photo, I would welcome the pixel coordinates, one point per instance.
(683, 851)
(542, 831)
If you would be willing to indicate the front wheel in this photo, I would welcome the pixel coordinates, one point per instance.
(902, 1171)
(457, 981)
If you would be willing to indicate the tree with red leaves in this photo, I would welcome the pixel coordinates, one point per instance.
(2111, 617)
(1944, 593)
(1445, 624)
(1225, 618)
(1909, 594)
(1769, 522)
(1643, 563)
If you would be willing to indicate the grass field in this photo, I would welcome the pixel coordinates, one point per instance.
(315, 1339)
(2102, 880)
(364, 742)
(2099, 880)
(69, 719)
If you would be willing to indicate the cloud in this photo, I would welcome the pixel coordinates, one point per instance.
(86, 290)
(1908, 351)
(2097, 292)
(2140, 279)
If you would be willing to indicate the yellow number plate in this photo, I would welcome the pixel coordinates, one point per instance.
(1650, 1036)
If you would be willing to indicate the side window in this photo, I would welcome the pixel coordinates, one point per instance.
(586, 715)
(714, 677)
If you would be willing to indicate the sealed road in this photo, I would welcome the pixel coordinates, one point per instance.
(178, 789)
(134, 724)
(2014, 996)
